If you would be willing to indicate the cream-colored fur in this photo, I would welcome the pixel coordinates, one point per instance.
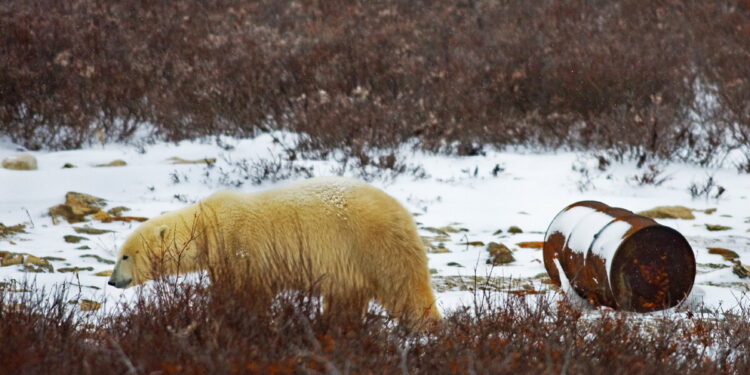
(356, 241)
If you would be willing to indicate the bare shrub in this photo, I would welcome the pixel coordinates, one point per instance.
(366, 165)
(256, 171)
(744, 166)
(375, 165)
(653, 174)
(178, 327)
(583, 169)
(643, 80)
(707, 189)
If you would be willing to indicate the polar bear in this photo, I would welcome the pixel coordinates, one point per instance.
(359, 242)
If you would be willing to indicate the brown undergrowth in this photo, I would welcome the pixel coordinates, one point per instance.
(224, 322)
(663, 79)
(201, 328)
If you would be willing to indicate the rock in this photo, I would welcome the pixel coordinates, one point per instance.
(114, 163)
(716, 227)
(88, 305)
(104, 273)
(68, 165)
(11, 230)
(11, 259)
(531, 245)
(89, 230)
(499, 254)
(709, 211)
(66, 212)
(54, 259)
(450, 229)
(472, 243)
(740, 270)
(515, 230)
(74, 269)
(98, 258)
(74, 239)
(725, 253)
(84, 204)
(20, 162)
(126, 219)
(39, 262)
(30, 263)
(76, 207)
(439, 238)
(498, 232)
(101, 216)
(436, 231)
(104, 217)
(439, 249)
(444, 231)
(176, 160)
(36, 269)
(453, 264)
(84, 247)
(117, 211)
(715, 266)
(669, 212)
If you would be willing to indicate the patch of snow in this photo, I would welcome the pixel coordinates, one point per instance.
(566, 220)
(528, 194)
(570, 293)
(608, 240)
(584, 233)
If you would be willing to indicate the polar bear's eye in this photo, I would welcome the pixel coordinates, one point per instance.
(124, 257)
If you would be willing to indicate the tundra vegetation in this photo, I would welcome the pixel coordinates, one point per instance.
(642, 80)
(198, 329)
(632, 80)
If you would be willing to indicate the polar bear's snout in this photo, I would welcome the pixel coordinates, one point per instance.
(122, 274)
(119, 283)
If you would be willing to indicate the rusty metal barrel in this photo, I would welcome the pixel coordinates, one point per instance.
(613, 257)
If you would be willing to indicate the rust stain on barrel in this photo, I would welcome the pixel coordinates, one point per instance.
(644, 268)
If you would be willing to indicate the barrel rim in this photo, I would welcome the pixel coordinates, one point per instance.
(690, 253)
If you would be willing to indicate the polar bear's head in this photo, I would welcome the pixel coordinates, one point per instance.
(165, 245)
(155, 249)
(134, 260)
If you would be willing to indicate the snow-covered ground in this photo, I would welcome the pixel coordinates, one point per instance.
(467, 194)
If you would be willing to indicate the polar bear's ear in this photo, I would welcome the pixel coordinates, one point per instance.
(161, 231)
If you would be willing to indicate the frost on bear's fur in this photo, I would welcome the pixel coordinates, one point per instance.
(350, 239)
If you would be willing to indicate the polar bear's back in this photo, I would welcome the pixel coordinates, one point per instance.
(347, 228)
(343, 202)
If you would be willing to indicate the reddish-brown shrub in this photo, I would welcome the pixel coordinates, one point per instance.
(663, 79)
(194, 329)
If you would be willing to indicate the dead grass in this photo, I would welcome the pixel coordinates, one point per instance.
(199, 329)
(643, 79)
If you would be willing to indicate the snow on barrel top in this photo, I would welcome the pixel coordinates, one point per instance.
(565, 221)
(585, 231)
(608, 241)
